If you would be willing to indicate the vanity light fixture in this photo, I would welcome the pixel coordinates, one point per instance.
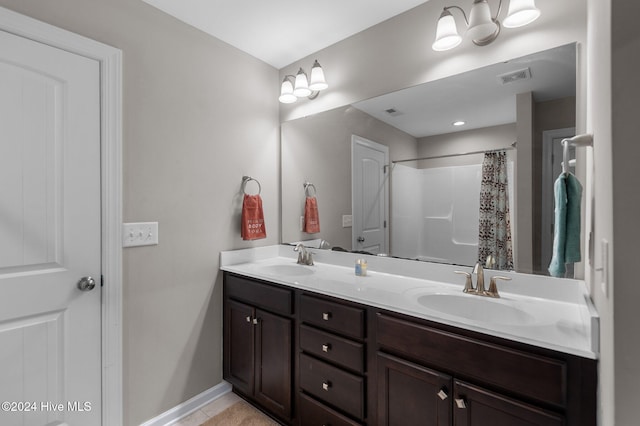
(298, 86)
(482, 28)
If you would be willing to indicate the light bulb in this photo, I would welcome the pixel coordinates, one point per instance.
(447, 36)
(521, 13)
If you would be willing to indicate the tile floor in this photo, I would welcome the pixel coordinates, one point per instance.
(205, 413)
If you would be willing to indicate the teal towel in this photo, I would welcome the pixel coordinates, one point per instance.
(566, 238)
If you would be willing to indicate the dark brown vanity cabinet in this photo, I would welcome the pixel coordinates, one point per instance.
(314, 360)
(433, 376)
(331, 362)
(258, 331)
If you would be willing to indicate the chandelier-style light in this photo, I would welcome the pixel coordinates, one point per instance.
(298, 86)
(482, 28)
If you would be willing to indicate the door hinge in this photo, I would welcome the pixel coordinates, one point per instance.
(101, 280)
(385, 223)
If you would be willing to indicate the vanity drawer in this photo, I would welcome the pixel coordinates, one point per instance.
(342, 390)
(332, 316)
(526, 374)
(332, 348)
(267, 296)
(313, 413)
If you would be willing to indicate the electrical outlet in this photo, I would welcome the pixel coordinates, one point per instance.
(302, 223)
(347, 221)
(139, 234)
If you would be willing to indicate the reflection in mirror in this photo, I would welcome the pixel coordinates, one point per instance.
(427, 203)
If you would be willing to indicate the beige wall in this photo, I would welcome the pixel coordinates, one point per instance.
(625, 46)
(318, 149)
(190, 134)
(485, 139)
(599, 106)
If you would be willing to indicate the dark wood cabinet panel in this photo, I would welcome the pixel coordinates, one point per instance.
(529, 375)
(273, 363)
(340, 318)
(238, 345)
(343, 390)
(480, 407)
(314, 413)
(330, 347)
(262, 295)
(258, 346)
(412, 395)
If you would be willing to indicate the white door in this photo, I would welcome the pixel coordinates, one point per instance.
(50, 330)
(369, 195)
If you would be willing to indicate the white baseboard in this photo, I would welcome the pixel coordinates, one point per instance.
(188, 407)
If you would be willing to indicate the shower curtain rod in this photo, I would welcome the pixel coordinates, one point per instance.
(513, 146)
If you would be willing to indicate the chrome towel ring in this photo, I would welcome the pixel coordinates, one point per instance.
(246, 179)
(307, 186)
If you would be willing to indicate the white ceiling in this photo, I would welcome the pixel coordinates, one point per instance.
(280, 32)
(476, 97)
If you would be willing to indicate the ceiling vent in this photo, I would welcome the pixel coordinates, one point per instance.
(511, 77)
(393, 112)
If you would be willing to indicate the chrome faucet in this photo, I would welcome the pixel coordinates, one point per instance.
(304, 257)
(479, 271)
(479, 288)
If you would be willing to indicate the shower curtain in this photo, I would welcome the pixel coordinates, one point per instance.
(494, 237)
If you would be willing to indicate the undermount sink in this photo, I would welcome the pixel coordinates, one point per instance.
(476, 308)
(288, 270)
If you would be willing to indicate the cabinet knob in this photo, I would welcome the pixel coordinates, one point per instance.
(326, 316)
(326, 347)
(249, 319)
(443, 394)
(460, 403)
(326, 385)
(256, 321)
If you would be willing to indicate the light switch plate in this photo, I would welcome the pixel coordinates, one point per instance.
(347, 221)
(139, 234)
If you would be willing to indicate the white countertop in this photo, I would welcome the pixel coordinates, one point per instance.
(542, 311)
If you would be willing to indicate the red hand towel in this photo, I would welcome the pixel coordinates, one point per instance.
(252, 218)
(311, 217)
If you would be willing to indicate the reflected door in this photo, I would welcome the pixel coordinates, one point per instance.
(50, 329)
(370, 195)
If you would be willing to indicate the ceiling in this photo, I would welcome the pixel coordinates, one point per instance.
(280, 32)
(477, 97)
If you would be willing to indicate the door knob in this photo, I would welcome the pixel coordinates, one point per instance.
(86, 284)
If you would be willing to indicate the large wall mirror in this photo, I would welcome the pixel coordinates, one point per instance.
(399, 174)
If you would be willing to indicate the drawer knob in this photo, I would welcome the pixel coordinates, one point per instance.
(326, 316)
(443, 394)
(326, 385)
(460, 403)
(326, 347)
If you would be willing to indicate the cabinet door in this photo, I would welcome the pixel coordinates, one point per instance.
(409, 394)
(474, 406)
(273, 363)
(239, 347)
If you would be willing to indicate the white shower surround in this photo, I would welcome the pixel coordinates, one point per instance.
(440, 206)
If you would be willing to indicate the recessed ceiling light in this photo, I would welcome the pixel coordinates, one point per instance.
(459, 123)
